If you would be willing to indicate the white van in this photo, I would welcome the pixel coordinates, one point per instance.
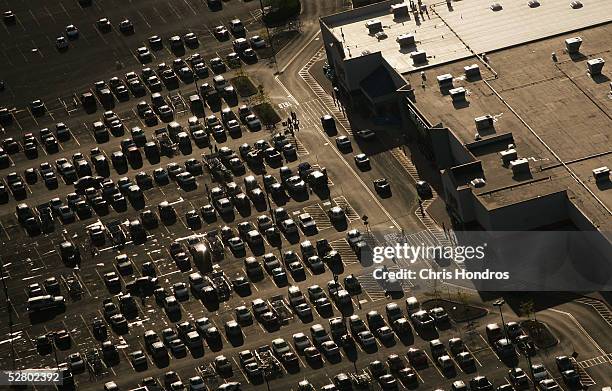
(412, 305)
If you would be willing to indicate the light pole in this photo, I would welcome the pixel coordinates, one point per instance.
(9, 308)
(499, 303)
(263, 174)
(269, 37)
(524, 349)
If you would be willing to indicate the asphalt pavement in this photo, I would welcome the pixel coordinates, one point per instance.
(60, 78)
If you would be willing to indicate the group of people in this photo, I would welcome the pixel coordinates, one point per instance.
(292, 124)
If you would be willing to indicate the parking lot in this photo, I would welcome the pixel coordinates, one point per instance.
(119, 194)
(30, 43)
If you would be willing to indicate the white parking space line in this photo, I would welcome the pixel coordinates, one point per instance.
(8, 59)
(84, 37)
(100, 34)
(6, 28)
(190, 7)
(82, 10)
(50, 15)
(143, 18)
(209, 31)
(21, 24)
(22, 55)
(175, 11)
(64, 9)
(239, 367)
(34, 17)
(433, 364)
(473, 355)
(160, 15)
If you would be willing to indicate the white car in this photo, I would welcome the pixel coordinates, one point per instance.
(257, 42)
(280, 347)
(61, 43)
(236, 26)
(539, 372)
(337, 214)
(196, 383)
(71, 31)
(289, 227)
(143, 54)
(301, 342)
(365, 134)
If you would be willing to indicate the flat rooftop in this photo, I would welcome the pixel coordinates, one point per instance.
(556, 111)
(484, 30)
(431, 35)
(450, 33)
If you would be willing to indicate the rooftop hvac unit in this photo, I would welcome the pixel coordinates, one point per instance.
(533, 3)
(595, 66)
(508, 156)
(576, 4)
(399, 10)
(380, 35)
(519, 166)
(457, 94)
(472, 71)
(445, 81)
(418, 57)
(484, 122)
(478, 182)
(405, 40)
(374, 26)
(572, 45)
(601, 174)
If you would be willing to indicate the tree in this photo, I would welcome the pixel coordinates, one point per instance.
(527, 308)
(261, 96)
(280, 11)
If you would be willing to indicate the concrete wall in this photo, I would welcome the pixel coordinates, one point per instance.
(363, 3)
(369, 11)
(530, 214)
(459, 152)
(334, 52)
(448, 149)
(398, 79)
(591, 251)
(580, 220)
(527, 215)
(359, 68)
